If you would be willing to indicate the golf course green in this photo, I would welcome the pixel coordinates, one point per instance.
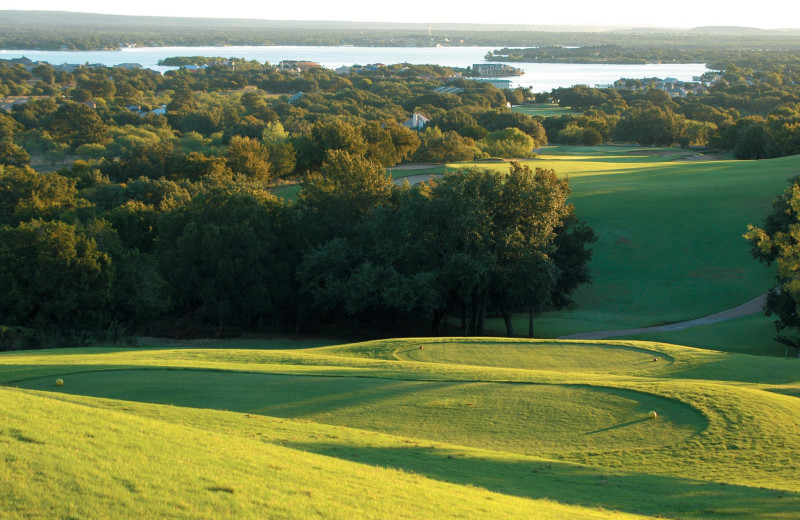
(669, 223)
(477, 427)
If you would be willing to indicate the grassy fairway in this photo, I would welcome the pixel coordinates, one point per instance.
(545, 109)
(670, 231)
(460, 428)
(670, 242)
(753, 334)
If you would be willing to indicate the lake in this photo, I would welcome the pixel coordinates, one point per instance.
(542, 77)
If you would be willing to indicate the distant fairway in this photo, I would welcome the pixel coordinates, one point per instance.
(670, 244)
(545, 109)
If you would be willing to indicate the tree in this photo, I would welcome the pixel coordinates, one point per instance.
(26, 194)
(346, 188)
(509, 143)
(53, 278)
(778, 242)
(502, 119)
(751, 141)
(76, 124)
(438, 147)
(248, 157)
(12, 154)
(282, 155)
(228, 257)
(650, 125)
(325, 135)
(474, 240)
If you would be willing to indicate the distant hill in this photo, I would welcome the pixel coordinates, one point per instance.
(66, 19)
(731, 30)
(63, 30)
(76, 19)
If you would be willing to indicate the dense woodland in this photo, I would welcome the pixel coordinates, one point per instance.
(151, 208)
(166, 223)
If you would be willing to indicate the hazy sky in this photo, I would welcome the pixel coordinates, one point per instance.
(765, 14)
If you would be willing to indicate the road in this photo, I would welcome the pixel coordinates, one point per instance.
(754, 306)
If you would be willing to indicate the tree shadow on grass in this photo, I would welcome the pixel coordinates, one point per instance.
(567, 483)
(622, 425)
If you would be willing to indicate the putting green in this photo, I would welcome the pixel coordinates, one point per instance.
(522, 418)
(561, 357)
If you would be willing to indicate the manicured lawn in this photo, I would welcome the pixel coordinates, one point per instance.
(754, 334)
(287, 191)
(670, 244)
(545, 109)
(463, 428)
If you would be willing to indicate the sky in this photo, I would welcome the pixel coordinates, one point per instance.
(764, 14)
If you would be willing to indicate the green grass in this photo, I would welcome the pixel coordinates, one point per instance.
(670, 244)
(286, 191)
(754, 334)
(545, 109)
(565, 356)
(464, 428)
(504, 417)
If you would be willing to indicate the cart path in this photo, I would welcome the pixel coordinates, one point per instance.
(754, 306)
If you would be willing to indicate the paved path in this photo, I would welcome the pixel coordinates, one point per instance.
(752, 307)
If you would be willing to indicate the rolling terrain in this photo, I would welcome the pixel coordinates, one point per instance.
(460, 428)
(454, 427)
(670, 247)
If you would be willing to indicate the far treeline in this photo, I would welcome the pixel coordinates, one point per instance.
(82, 31)
(167, 222)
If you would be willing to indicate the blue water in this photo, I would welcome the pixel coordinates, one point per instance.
(543, 77)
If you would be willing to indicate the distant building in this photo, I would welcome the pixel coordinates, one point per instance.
(298, 66)
(672, 83)
(496, 69)
(677, 92)
(66, 67)
(499, 83)
(416, 122)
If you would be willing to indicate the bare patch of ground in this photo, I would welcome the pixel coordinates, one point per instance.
(700, 157)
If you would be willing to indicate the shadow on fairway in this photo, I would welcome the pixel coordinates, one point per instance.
(567, 483)
(629, 423)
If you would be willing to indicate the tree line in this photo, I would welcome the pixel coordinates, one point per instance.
(754, 114)
(165, 221)
(84, 257)
(83, 31)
